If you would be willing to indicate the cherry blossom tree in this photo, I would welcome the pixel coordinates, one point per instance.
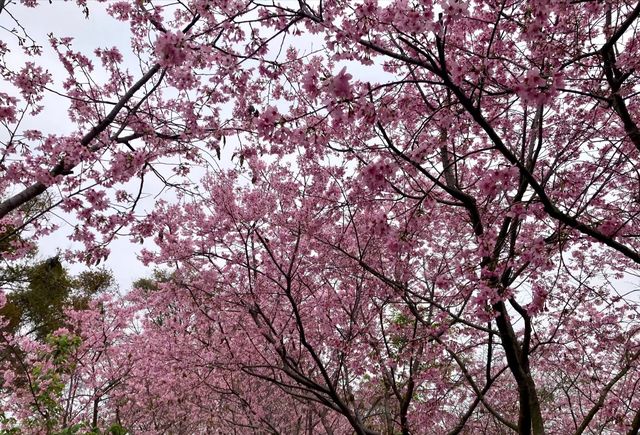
(406, 217)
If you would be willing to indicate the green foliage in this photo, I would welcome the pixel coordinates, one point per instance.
(40, 304)
(116, 429)
(401, 319)
(13, 314)
(150, 284)
(44, 299)
(88, 284)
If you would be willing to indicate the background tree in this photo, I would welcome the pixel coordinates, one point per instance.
(39, 306)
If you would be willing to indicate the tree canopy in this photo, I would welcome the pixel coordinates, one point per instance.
(403, 217)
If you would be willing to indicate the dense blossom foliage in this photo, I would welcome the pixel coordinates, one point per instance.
(408, 217)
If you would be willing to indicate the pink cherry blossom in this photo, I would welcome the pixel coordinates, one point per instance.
(357, 217)
(339, 86)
